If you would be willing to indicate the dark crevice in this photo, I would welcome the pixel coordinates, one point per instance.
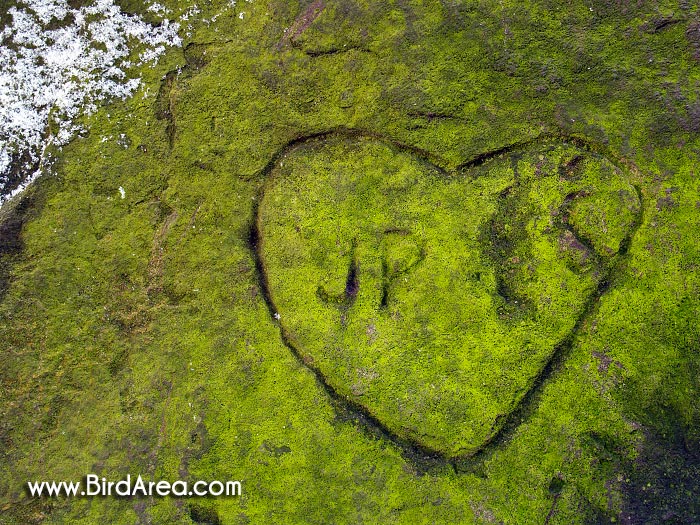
(21, 165)
(433, 162)
(315, 53)
(384, 302)
(664, 23)
(482, 158)
(11, 243)
(346, 299)
(582, 143)
(164, 106)
(204, 514)
(422, 458)
(570, 169)
(352, 283)
(556, 485)
(495, 238)
(195, 57)
(433, 115)
(580, 237)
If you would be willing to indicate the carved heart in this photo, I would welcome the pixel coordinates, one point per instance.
(433, 299)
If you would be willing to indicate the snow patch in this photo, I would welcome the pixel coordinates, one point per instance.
(58, 63)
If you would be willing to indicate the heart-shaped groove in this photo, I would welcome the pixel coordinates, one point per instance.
(435, 304)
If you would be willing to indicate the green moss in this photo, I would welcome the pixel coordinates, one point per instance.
(419, 326)
(136, 335)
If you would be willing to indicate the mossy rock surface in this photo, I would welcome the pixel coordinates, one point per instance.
(476, 222)
(432, 299)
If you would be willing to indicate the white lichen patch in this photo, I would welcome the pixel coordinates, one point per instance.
(59, 62)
